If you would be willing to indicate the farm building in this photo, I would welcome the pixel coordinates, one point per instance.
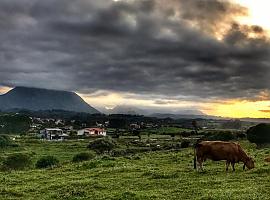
(53, 134)
(134, 126)
(92, 132)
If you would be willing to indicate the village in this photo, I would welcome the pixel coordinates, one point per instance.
(59, 129)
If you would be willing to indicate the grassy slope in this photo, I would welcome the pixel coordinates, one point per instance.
(156, 175)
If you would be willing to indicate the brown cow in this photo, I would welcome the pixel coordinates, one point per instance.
(218, 150)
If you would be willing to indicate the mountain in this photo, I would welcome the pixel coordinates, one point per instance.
(155, 112)
(179, 116)
(127, 110)
(43, 99)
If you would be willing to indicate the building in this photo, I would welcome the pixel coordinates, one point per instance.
(53, 134)
(67, 129)
(134, 126)
(92, 132)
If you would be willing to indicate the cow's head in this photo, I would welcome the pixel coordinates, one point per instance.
(249, 163)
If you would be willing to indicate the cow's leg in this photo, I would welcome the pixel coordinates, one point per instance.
(227, 165)
(233, 166)
(200, 162)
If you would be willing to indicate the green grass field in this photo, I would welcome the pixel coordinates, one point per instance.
(153, 175)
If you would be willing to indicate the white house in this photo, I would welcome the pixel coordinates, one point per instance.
(92, 132)
(53, 134)
(135, 126)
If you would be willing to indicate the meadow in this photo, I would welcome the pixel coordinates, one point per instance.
(166, 174)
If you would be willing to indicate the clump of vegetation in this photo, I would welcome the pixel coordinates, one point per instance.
(47, 162)
(186, 133)
(16, 161)
(221, 135)
(241, 135)
(102, 145)
(5, 141)
(83, 156)
(259, 134)
(14, 124)
(185, 144)
(134, 150)
(119, 152)
(137, 133)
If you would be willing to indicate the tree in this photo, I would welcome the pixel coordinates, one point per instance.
(117, 123)
(259, 134)
(14, 124)
(195, 126)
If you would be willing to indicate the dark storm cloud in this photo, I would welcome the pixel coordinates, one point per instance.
(210, 15)
(156, 47)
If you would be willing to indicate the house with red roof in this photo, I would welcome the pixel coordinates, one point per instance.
(91, 132)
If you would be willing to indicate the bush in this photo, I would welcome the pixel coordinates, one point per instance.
(106, 157)
(241, 135)
(259, 134)
(185, 144)
(185, 134)
(17, 161)
(135, 150)
(46, 162)
(119, 152)
(102, 145)
(223, 136)
(5, 141)
(83, 157)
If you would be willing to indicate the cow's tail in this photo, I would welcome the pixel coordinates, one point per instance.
(196, 145)
(195, 158)
(195, 154)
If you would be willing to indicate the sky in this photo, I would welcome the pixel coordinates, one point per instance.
(209, 55)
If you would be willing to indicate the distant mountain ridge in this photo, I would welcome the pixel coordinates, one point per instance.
(127, 110)
(43, 99)
(159, 113)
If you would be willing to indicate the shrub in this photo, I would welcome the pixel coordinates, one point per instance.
(241, 135)
(186, 134)
(102, 145)
(5, 141)
(83, 156)
(259, 134)
(185, 144)
(106, 157)
(172, 135)
(90, 165)
(17, 161)
(135, 150)
(46, 162)
(119, 152)
(223, 136)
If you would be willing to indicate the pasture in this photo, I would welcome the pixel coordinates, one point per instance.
(150, 175)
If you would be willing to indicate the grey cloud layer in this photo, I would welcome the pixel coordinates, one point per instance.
(157, 47)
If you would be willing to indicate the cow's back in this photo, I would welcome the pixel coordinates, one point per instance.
(217, 150)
